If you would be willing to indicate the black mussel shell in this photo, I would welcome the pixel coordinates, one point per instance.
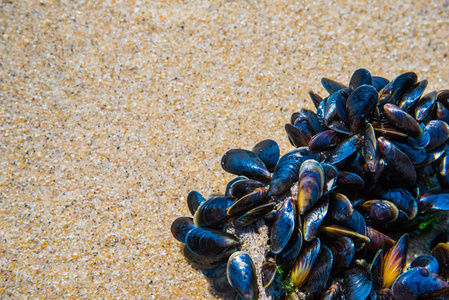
(333, 292)
(369, 149)
(310, 184)
(241, 275)
(325, 140)
(316, 99)
(359, 104)
(403, 120)
(242, 187)
(244, 162)
(283, 226)
(343, 250)
(332, 86)
(248, 202)
(417, 283)
(416, 155)
(441, 253)
(213, 212)
(426, 261)
(340, 208)
(398, 162)
(330, 176)
(394, 91)
(379, 211)
(194, 200)
(268, 151)
(434, 201)
(220, 280)
(402, 199)
(378, 240)
(210, 242)
(344, 150)
(296, 137)
(412, 96)
(268, 272)
(360, 77)
(350, 180)
(443, 237)
(314, 218)
(206, 262)
(287, 257)
(379, 82)
(438, 132)
(253, 215)
(229, 185)
(425, 107)
(287, 170)
(181, 227)
(304, 263)
(321, 272)
(357, 283)
(442, 113)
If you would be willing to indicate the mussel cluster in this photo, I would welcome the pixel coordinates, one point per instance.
(369, 167)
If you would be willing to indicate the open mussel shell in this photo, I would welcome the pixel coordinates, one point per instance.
(310, 184)
(244, 162)
(181, 227)
(287, 169)
(254, 215)
(379, 211)
(304, 263)
(210, 242)
(426, 261)
(283, 226)
(403, 120)
(241, 275)
(268, 151)
(213, 212)
(417, 283)
(357, 283)
(394, 261)
(441, 253)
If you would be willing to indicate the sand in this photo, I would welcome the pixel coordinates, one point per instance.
(111, 113)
